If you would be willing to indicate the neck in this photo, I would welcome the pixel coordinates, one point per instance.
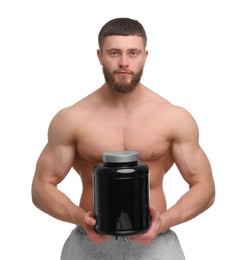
(122, 100)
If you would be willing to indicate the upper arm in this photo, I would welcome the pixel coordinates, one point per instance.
(57, 157)
(189, 157)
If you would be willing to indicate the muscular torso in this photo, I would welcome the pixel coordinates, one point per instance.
(143, 128)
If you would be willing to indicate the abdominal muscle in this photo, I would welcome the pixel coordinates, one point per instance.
(156, 196)
(157, 199)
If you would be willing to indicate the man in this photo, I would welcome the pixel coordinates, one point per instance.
(123, 115)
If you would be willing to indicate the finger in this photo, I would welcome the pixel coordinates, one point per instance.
(94, 236)
(153, 213)
(148, 236)
(89, 220)
(142, 239)
(152, 210)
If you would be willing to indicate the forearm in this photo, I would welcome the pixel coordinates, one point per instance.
(52, 201)
(191, 204)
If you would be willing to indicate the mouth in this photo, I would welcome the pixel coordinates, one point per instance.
(122, 73)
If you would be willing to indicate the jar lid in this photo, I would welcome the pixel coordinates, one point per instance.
(120, 156)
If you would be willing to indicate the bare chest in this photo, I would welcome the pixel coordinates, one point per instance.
(137, 133)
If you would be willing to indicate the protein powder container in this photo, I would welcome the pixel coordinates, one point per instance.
(121, 194)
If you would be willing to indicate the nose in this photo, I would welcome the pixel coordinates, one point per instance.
(123, 61)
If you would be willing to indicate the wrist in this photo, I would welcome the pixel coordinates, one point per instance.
(164, 223)
(78, 217)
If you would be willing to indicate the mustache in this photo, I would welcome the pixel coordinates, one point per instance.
(123, 71)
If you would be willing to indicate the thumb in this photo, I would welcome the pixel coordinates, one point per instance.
(89, 218)
(153, 212)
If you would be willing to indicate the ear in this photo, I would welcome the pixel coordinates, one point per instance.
(99, 54)
(146, 54)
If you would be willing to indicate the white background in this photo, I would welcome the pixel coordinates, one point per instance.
(48, 61)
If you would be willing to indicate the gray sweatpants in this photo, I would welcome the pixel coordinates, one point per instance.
(165, 246)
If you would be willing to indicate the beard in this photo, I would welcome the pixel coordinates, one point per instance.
(122, 86)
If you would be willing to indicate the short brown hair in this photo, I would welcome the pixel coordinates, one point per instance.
(122, 26)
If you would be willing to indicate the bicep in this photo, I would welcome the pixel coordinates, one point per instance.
(188, 155)
(57, 157)
(192, 163)
(54, 163)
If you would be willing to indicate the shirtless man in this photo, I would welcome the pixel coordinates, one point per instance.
(123, 114)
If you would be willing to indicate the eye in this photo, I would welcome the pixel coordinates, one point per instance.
(114, 53)
(134, 53)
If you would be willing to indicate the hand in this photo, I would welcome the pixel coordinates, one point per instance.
(90, 223)
(147, 237)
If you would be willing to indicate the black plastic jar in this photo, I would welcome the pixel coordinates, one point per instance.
(121, 194)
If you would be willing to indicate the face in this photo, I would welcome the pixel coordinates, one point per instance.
(122, 59)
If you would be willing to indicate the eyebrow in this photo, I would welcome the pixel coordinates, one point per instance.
(119, 50)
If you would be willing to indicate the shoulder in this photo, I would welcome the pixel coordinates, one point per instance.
(68, 119)
(166, 106)
(177, 113)
(76, 111)
(160, 103)
(182, 124)
(178, 121)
